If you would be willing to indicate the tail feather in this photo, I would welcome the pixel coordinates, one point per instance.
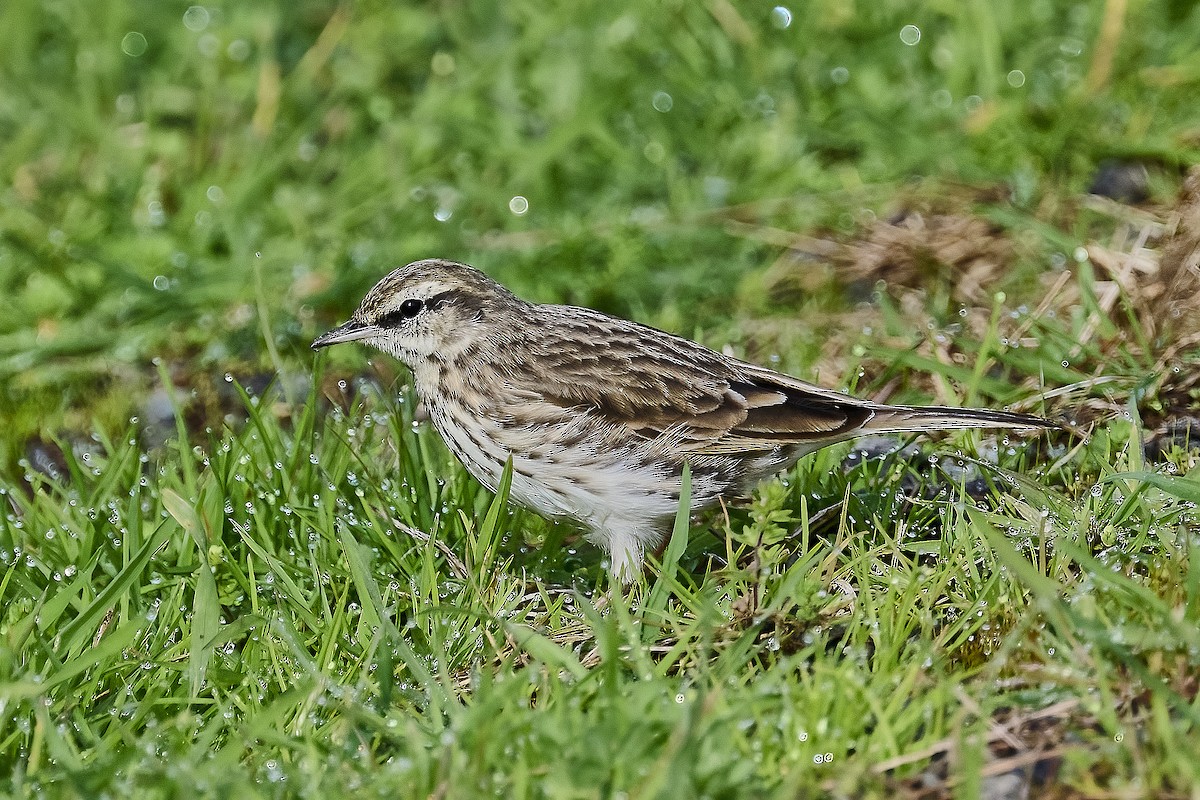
(895, 419)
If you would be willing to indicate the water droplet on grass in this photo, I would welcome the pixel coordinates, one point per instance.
(196, 18)
(133, 44)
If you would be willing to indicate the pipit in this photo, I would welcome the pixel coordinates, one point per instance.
(598, 414)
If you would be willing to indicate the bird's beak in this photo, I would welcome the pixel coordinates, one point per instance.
(346, 332)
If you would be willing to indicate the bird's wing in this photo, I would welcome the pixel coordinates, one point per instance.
(660, 385)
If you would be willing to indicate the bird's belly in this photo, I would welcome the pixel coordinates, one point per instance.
(590, 484)
(594, 493)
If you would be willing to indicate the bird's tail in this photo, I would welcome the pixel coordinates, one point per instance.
(896, 419)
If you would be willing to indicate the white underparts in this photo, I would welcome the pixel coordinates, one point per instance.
(623, 501)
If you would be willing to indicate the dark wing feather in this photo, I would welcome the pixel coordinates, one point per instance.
(658, 384)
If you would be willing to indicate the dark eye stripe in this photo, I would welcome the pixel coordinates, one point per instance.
(412, 307)
(459, 299)
(441, 299)
(389, 320)
(407, 310)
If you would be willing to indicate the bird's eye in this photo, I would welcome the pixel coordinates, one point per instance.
(407, 310)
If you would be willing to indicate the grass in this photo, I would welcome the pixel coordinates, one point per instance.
(228, 568)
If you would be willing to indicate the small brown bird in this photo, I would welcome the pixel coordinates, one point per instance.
(598, 414)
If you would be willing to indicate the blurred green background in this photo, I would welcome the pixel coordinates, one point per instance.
(215, 184)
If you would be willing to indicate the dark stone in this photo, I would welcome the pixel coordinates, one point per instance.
(1123, 181)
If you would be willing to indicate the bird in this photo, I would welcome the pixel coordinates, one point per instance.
(599, 415)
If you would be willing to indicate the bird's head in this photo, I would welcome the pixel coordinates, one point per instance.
(427, 309)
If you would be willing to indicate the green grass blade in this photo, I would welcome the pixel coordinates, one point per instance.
(1183, 487)
(79, 631)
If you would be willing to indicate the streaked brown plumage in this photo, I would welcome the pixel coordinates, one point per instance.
(599, 414)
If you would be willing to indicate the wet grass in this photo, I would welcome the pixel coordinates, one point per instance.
(228, 567)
